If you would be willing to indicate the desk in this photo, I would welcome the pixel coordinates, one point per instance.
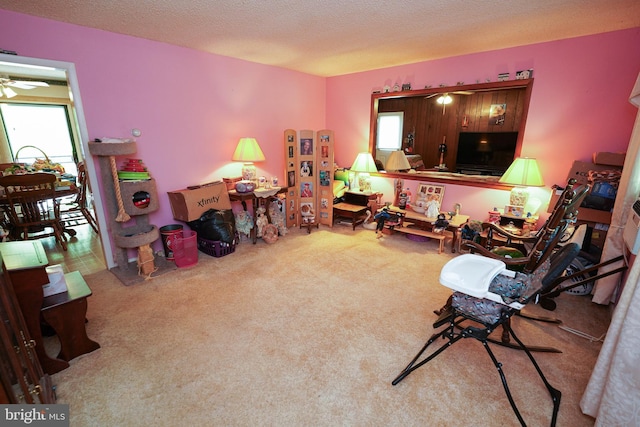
(234, 196)
(421, 222)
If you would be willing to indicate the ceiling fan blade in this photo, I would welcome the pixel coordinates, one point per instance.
(23, 84)
(432, 95)
(463, 92)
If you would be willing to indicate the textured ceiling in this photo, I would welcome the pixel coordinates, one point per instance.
(334, 37)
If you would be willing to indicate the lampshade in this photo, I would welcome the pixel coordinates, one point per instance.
(523, 171)
(248, 150)
(397, 161)
(364, 163)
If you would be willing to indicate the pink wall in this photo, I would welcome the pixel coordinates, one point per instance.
(191, 106)
(579, 103)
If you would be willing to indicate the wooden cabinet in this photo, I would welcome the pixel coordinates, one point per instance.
(23, 380)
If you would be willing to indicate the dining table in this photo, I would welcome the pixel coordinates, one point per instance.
(61, 192)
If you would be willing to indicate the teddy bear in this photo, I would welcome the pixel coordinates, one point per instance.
(276, 211)
(261, 220)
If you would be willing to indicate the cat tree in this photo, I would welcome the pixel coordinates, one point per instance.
(129, 222)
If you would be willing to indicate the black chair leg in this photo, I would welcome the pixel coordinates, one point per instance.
(555, 394)
(447, 333)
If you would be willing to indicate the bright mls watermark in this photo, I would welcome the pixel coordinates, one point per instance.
(54, 415)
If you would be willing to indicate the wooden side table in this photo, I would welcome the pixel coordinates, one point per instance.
(354, 207)
(355, 213)
(66, 313)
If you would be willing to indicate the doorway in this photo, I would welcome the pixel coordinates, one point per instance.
(48, 70)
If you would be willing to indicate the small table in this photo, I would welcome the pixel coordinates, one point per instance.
(420, 222)
(354, 207)
(66, 313)
(234, 196)
(356, 213)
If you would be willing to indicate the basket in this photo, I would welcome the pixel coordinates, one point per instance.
(216, 248)
(41, 164)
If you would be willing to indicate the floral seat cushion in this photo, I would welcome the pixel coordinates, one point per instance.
(519, 288)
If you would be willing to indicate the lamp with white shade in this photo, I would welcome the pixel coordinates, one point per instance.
(524, 172)
(363, 166)
(397, 162)
(248, 151)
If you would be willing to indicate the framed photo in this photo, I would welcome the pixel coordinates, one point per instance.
(306, 189)
(430, 198)
(511, 210)
(427, 190)
(497, 113)
(306, 168)
(306, 147)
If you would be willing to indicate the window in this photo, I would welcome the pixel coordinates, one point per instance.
(45, 127)
(389, 132)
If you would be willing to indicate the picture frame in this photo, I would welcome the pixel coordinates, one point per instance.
(429, 197)
(431, 189)
(497, 113)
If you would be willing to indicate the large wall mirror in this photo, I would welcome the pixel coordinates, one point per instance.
(468, 134)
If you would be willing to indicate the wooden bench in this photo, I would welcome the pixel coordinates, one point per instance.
(424, 233)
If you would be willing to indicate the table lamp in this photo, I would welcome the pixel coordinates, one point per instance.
(397, 162)
(523, 172)
(362, 166)
(248, 151)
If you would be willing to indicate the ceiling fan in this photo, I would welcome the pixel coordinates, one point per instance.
(6, 84)
(444, 98)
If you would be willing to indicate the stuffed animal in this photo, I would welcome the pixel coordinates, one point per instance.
(244, 223)
(440, 224)
(262, 220)
(276, 212)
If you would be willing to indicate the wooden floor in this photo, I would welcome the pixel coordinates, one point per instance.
(83, 254)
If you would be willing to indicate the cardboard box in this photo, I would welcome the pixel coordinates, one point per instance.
(601, 195)
(610, 159)
(580, 171)
(189, 204)
(584, 214)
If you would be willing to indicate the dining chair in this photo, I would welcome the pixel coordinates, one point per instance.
(79, 203)
(32, 207)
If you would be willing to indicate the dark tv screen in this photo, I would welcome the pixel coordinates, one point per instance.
(487, 153)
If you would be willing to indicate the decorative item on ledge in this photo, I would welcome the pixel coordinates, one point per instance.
(248, 151)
